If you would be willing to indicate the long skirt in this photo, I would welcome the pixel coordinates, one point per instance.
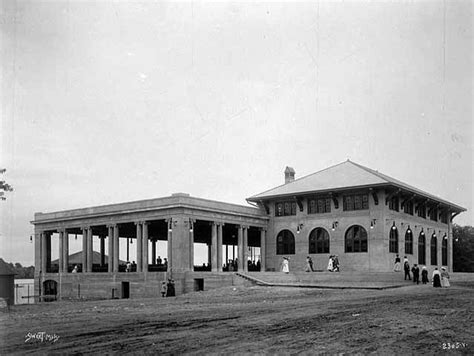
(445, 282)
(436, 281)
(397, 267)
(330, 266)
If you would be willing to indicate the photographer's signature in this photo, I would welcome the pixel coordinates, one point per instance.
(41, 336)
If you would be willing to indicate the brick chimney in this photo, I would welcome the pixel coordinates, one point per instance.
(289, 175)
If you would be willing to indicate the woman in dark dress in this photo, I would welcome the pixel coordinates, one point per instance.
(424, 275)
(436, 278)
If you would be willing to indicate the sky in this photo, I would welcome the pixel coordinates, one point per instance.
(107, 102)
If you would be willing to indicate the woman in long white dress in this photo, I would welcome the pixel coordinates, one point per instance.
(285, 266)
(330, 264)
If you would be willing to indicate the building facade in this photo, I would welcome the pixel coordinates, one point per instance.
(361, 215)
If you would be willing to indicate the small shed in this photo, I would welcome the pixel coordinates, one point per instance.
(7, 283)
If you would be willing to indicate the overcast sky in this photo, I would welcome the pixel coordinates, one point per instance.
(117, 101)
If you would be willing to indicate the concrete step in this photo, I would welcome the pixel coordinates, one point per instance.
(330, 277)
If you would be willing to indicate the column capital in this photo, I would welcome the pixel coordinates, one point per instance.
(144, 222)
(111, 225)
(262, 229)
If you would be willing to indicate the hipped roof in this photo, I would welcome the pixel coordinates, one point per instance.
(343, 176)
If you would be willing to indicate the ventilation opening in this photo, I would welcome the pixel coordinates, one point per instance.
(198, 284)
(125, 290)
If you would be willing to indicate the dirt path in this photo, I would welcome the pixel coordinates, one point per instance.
(409, 320)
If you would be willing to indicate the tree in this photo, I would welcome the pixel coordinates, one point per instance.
(463, 248)
(4, 186)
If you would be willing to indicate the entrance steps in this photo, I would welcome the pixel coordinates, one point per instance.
(335, 280)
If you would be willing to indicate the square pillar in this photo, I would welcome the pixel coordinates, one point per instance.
(219, 247)
(145, 246)
(214, 247)
(191, 244)
(61, 254)
(44, 253)
(84, 250)
(170, 244)
(450, 246)
(48, 251)
(245, 249)
(102, 251)
(139, 247)
(116, 248)
(89, 250)
(110, 258)
(66, 251)
(153, 251)
(240, 250)
(262, 250)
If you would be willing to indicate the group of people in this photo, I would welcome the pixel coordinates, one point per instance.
(167, 288)
(333, 264)
(440, 279)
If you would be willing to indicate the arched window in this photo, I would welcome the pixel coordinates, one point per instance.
(444, 251)
(393, 240)
(434, 250)
(409, 242)
(356, 239)
(319, 241)
(285, 243)
(422, 249)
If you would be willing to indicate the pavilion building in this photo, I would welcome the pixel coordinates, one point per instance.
(361, 215)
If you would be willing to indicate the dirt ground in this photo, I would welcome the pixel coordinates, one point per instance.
(409, 320)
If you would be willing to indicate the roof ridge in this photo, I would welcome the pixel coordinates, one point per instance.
(373, 171)
(308, 175)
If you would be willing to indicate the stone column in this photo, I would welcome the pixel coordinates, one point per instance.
(102, 250)
(219, 247)
(153, 251)
(116, 248)
(66, 251)
(84, 250)
(240, 251)
(90, 249)
(139, 247)
(44, 253)
(191, 245)
(170, 244)
(262, 250)
(48, 251)
(450, 245)
(214, 247)
(145, 246)
(61, 254)
(110, 258)
(245, 249)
